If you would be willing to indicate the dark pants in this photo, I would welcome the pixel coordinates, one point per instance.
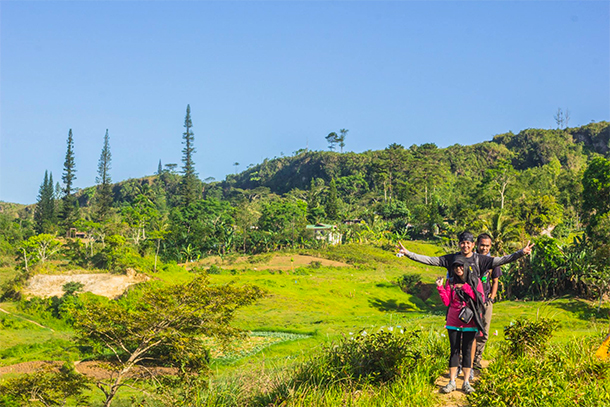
(461, 343)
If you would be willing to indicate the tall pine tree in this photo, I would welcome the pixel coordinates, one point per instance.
(44, 214)
(332, 202)
(189, 186)
(104, 190)
(69, 208)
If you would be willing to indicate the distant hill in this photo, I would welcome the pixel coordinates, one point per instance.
(529, 148)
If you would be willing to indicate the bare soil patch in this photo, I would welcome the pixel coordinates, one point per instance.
(92, 369)
(266, 262)
(107, 285)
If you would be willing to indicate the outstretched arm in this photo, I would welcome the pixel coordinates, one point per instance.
(498, 261)
(420, 258)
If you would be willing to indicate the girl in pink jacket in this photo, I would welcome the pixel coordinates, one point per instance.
(455, 293)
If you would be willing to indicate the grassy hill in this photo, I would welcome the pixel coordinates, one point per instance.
(308, 306)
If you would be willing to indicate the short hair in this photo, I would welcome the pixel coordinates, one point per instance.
(484, 236)
(465, 236)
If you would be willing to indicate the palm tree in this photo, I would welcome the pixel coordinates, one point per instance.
(506, 232)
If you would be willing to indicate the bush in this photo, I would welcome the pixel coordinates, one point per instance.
(525, 337)
(214, 269)
(410, 283)
(364, 358)
(567, 375)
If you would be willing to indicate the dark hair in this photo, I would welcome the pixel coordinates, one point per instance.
(465, 236)
(484, 236)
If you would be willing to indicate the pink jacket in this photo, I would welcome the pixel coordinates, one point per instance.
(451, 300)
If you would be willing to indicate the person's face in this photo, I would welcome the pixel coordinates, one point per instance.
(466, 247)
(484, 246)
(459, 271)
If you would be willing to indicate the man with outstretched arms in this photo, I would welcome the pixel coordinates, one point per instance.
(477, 262)
(490, 279)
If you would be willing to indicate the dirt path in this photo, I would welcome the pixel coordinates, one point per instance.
(456, 398)
(25, 319)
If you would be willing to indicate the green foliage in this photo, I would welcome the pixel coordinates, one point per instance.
(526, 337)
(46, 387)
(565, 376)
(44, 214)
(410, 283)
(161, 323)
(103, 194)
(364, 358)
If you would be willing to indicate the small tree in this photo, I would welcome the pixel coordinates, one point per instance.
(46, 387)
(162, 325)
(332, 140)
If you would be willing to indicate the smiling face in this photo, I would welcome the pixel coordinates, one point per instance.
(484, 246)
(466, 247)
(459, 271)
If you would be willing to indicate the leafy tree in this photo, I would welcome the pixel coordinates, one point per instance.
(189, 185)
(499, 178)
(44, 214)
(69, 208)
(315, 212)
(103, 194)
(38, 249)
(596, 190)
(332, 140)
(161, 324)
(341, 138)
(46, 387)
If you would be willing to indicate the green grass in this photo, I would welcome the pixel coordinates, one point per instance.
(322, 304)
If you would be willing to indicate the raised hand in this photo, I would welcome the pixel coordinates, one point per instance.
(439, 281)
(528, 249)
(401, 249)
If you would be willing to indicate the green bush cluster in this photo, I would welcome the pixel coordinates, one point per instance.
(366, 358)
(565, 376)
(410, 283)
(526, 337)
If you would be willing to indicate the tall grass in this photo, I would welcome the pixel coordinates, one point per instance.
(380, 369)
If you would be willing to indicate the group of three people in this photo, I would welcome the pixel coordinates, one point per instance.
(471, 284)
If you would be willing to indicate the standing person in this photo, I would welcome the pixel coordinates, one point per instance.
(475, 261)
(461, 291)
(490, 279)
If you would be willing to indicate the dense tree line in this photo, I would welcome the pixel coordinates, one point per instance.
(516, 187)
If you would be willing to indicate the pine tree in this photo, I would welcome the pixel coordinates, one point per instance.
(189, 184)
(68, 212)
(159, 168)
(332, 203)
(104, 189)
(44, 214)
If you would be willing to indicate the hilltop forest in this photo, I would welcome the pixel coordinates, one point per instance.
(549, 184)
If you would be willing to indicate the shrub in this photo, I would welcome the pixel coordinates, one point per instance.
(567, 375)
(315, 264)
(525, 337)
(410, 283)
(214, 269)
(376, 358)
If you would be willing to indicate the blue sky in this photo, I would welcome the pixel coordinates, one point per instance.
(269, 78)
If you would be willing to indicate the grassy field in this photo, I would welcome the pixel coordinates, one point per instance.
(310, 304)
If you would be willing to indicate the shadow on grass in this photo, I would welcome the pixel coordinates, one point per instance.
(391, 305)
(583, 310)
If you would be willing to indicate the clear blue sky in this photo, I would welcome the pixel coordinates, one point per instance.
(269, 78)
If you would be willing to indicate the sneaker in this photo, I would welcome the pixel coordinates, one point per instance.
(467, 388)
(448, 388)
(472, 374)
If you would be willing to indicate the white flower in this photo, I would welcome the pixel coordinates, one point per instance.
(402, 332)
(391, 328)
(363, 333)
(443, 335)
